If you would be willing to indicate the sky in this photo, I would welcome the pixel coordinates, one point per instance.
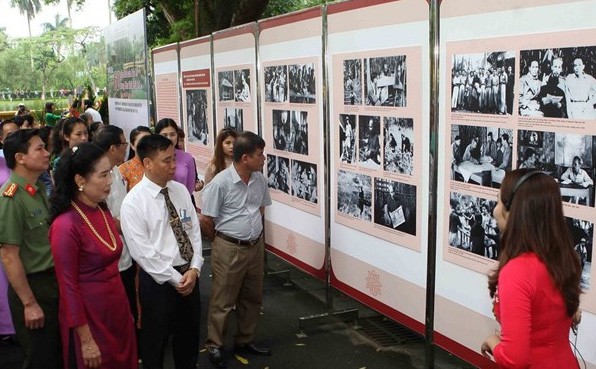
(94, 13)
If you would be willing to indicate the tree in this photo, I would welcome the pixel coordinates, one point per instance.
(69, 5)
(28, 8)
(174, 20)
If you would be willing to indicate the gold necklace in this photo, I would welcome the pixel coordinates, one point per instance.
(113, 246)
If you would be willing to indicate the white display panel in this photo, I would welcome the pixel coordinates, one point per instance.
(514, 44)
(291, 88)
(378, 86)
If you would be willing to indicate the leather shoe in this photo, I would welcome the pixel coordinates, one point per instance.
(252, 348)
(216, 356)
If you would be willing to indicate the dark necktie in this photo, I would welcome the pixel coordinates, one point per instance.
(184, 244)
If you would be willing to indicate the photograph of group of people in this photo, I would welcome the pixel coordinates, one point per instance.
(480, 155)
(472, 226)
(302, 83)
(276, 83)
(290, 131)
(396, 152)
(568, 158)
(196, 112)
(354, 195)
(278, 173)
(483, 83)
(234, 119)
(558, 83)
(385, 81)
(234, 85)
(582, 233)
(304, 181)
(395, 205)
(352, 69)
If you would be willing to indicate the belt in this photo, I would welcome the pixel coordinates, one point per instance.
(182, 268)
(236, 241)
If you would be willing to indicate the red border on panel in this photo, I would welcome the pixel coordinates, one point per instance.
(355, 4)
(463, 352)
(317, 273)
(196, 41)
(388, 311)
(236, 31)
(291, 18)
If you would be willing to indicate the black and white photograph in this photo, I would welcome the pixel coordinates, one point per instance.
(398, 145)
(582, 233)
(234, 119)
(369, 141)
(536, 150)
(385, 81)
(574, 161)
(472, 226)
(483, 83)
(281, 129)
(347, 141)
(242, 85)
(354, 195)
(395, 205)
(225, 80)
(353, 82)
(196, 112)
(480, 155)
(276, 83)
(298, 142)
(302, 83)
(304, 181)
(278, 173)
(558, 83)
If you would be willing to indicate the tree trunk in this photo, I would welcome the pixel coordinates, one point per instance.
(248, 11)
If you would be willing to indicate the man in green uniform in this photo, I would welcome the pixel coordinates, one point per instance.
(25, 251)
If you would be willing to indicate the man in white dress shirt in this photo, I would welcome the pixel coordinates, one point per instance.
(233, 206)
(168, 289)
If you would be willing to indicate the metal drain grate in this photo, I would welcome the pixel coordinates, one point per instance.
(386, 333)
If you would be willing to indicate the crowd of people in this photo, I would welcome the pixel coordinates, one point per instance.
(101, 256)
(487, 90)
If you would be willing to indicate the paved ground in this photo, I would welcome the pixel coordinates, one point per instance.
(371, 342)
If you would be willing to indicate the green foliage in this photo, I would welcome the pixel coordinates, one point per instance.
(278, 7)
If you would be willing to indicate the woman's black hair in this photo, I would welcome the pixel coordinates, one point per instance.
(80, 160)
(133, 136)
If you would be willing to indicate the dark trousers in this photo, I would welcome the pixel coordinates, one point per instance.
(166, 312)
(42, 347)
(128, 280)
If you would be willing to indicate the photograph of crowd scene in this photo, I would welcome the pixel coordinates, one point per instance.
(276, 83)
(472, 226)
(582, 234)
(483, 83)
(302, 83)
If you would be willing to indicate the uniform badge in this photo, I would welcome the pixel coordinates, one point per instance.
(30, 190)
(11, 190)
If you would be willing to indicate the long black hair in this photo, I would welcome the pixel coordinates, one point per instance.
(80, 160)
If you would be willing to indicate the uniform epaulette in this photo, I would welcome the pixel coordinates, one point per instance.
(11, 190)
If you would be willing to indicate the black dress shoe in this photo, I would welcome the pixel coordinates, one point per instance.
(252, 348)
(216, 356)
